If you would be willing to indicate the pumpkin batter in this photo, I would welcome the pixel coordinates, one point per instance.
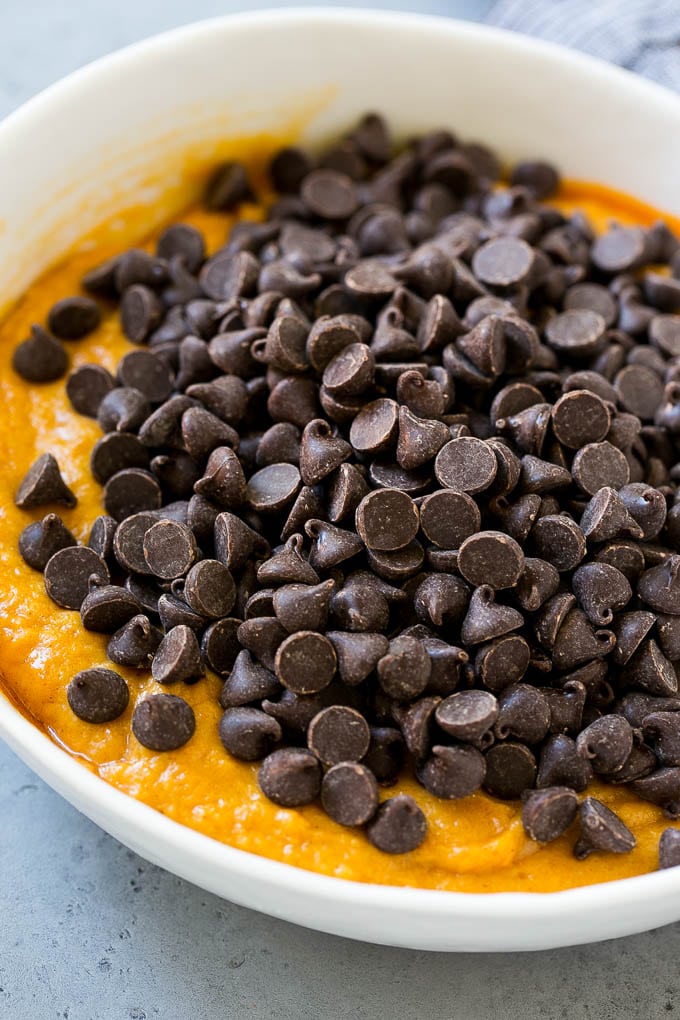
(473, 845)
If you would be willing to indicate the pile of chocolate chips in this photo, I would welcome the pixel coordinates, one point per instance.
(399, 464)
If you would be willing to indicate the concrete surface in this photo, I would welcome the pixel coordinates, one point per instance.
(89, 931)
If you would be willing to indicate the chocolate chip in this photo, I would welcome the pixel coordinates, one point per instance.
(601, 589)
(248, 733)
(539, 177)
(374, 429)
(503, 262)
(116, 452)
(605, 517)
(576, 333)
(107, 607)
(137, 266)
(349, 793)
(68, 573)
(290, 777)
(40, 540)
(272, 488)
(452, 772)
(561, 764)
(163, 722)
(580, 417)
(350, 371)
(209, 589)
(248, 682)
(321, 452)
(619, 249)
(398, 825)
(491, 558)
(131, 491)
(220, 645)
(331, 545)
(329, 194)
(128, 541)
(73, 318)
(135, 643)
(305, 662)
(41, 358)
(523, 713)
(466, 464)
(357, 654)
(140, 313)
(486, 619)
(640, 390)
(43, 484)
(178, 657)
(338, 734)
(87, 386)
(169, 549)
(659, 587)
(661, 731)
(467, 715)
(303, 607)
(510, 770)
(548, 813)
(669, 849)
(447, 518)
(387, 519)
(601, 829)
(123, 409)
(607, 743)
(98, 695)
(651, 670)
(184, 240)
(405, 670)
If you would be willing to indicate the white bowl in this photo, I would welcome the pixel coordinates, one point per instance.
(64, 158)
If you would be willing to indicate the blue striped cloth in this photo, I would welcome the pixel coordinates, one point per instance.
(642, 35)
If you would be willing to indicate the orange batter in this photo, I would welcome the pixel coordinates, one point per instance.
(472, 845)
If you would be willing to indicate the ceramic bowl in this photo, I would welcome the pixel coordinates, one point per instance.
(98, 140)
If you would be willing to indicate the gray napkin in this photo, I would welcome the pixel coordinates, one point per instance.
(641, 35)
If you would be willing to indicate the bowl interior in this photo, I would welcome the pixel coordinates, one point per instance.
(136, 129)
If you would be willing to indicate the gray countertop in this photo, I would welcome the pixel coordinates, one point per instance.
(90, 931)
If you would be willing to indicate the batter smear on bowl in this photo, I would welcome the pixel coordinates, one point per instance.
(342, 524)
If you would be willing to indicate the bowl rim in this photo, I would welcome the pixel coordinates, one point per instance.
(94, 796)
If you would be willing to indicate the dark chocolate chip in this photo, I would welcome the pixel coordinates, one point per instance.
(41, 358)
(40, 540)
(329, 194)
(98, 695)
(669, 849)
(68, 573)
(375, 427)
(87, 386)
(248, 682)
(178, 657)
(140, 313)
(73, 318)
(349, 793)
(169, 549)
(601, 589)
(131, 491)
(305, 662)
(548, 813)
(128, 541)
(447, 518)
(398, 825)
(467, 715)
(290, 777)
(491, 558)
(248, 733)
(486, 619)
(510, 770)
(163, 722)
(135, 643)
(601, 829)
(405, 670)
(107, 607)
(116, 452)
(43, 484)
(452, 772)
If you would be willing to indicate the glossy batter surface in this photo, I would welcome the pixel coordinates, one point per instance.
(473, 845)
